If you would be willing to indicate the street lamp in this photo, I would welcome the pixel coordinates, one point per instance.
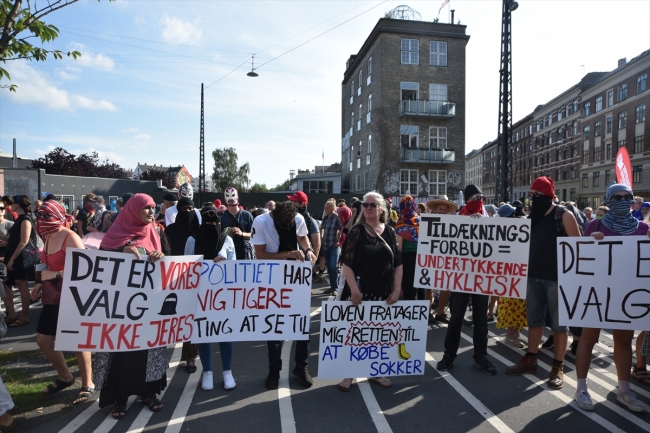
(252, 73)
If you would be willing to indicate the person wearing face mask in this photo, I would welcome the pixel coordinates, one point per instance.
(301, 201)
(619, 221)
(240, 222)
(548, 222)
(473, 202)
(85, 215)
(184, 191)
(601, 212)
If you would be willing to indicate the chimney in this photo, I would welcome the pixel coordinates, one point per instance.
(452, 15)
(622, 62)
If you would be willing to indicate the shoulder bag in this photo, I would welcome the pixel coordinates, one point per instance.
(32, 251)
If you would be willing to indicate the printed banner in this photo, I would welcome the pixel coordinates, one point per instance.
(604, 284)
(373, 339)
(253, 301)
(113, 302)
(484, 256)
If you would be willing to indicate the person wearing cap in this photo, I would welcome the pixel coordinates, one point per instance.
(169, 201)
(282, 235)
(300, 200)
(519, 209)
(542, 288)
(85, 215)
(240, 222)
(330, 230)
(458, 305)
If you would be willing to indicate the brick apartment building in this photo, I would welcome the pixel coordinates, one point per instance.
(474, 168)
(574, 137)
(403, 110)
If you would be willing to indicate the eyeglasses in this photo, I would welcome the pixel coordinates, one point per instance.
(476, 197)
(621, 197)
(367, 205)
(2, 208)
(212, 213)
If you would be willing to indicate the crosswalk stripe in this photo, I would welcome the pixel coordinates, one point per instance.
(375, 411)
(183, 405)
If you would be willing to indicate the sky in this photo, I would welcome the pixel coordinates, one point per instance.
(134, 94)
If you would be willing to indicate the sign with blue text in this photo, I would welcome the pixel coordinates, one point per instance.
(373, 339)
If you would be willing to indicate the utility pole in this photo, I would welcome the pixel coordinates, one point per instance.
(201, 154)
(503, 190)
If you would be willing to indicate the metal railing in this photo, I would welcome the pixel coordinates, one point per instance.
(427, 108)
(436, 156)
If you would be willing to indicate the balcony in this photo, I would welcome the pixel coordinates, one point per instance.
(431, 156)
(427, 108)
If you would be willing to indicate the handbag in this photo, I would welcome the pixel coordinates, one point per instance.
(51, 294)
(32, 251)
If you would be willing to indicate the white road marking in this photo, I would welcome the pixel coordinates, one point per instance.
(183, 405)
(475, 402)
(373, 406)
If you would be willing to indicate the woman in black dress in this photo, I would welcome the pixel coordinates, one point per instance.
(372, 264)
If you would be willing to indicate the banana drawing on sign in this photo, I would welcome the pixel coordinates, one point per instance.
(373, 339)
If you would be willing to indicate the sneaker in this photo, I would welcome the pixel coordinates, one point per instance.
(446, 363)
(303, 376)
(528, 364)
(584, 401)
(273, 379)
(207, 383)
(512, 340)
(485, 366)
(574, 348)
(629, 399)
(441, 318)
(467, 321)
(228, 381)
(548, 344)
(556, 379)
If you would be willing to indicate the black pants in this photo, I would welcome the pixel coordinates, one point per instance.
(458, 306)
(408, 275)
(275, 354)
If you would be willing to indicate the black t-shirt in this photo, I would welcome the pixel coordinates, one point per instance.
(542, 259)
(84, 217)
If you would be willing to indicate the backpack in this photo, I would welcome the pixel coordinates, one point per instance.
(559, 225)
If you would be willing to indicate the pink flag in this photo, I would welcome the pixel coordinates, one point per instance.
(443, 5)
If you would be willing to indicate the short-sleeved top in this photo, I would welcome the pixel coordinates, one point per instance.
(371, 261)
(264, 232)
(4, 227)
(85, 218)
(594, 227)
(244, 221)
(331, 225)
(227, 251)
(14, 240)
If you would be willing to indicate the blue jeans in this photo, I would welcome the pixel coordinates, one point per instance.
(205, 353)
(331, 260)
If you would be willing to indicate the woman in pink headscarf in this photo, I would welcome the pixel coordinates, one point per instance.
(120, 375)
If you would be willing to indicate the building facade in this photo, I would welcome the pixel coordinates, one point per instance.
(403, 110)
(474, 168)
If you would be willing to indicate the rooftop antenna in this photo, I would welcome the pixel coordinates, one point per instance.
(252, 73)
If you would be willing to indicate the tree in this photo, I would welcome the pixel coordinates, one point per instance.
(155, 174)
(227, 172)
(257, 187)
(60, 161)
(15, 20)
(284, 186)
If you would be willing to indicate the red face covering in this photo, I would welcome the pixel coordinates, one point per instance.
(474, 206)
(89, 207)
(51, 216)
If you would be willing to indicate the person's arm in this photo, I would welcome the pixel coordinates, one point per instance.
(25, 232)
(570, 224)
(80, 230)
(400, 242)
(397, 285)
(304, 244)
(261, 253)
(355, 294)
(316, 241)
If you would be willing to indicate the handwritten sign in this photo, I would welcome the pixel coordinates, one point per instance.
(484, 256)
(373, 339)
(604, 284)
(253, 301)
(113, 302)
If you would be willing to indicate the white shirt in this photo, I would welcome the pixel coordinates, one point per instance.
(171, 212)
(264, 232)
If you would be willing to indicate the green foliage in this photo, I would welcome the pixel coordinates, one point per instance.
(155, 174)
(60, 161)
(19, 24)
(257, 187)
(284, 186)
(227, 172)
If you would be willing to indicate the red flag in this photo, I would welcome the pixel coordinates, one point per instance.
(443, 5)
(623, 167)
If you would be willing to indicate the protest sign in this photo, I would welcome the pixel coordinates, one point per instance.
(253, 301)
(373, 339)
(484, 256)
(113, 302)
(604, 284)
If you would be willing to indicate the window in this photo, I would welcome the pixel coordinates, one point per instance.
(610, 98)
(351, 123)
(574, 172)
(369, 108)
(559, 114)
(608, 151)
(351, 157)
(622, 92)
(568, 110)
(638, 144)
(639, 114)
(597, 129)
(409, 135)
(608, 176)
(352, 92)
(621, 143)
(437, 53)
(437, 138)
(608, 121)
(361, 178)
(574, 128)
(641, 83)
(596, 179)
(587, 108)
(636, 173)
(585, 133)
(437, 182)
(575, 105)
(360, 83)
(410, 52)
(597, 154)
(359, 121)
(369, 150)
(438, 92)
(599, 103)
(585, 180)
(550, 138)
(572, 194)
(369, 79)
(622, 120)
(585, 156)
(409, 91)
(550, 119)
(408, 182)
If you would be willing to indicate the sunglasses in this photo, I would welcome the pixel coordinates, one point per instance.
(476, 197)
(627, 197)
(213, 213)
(372, 205)
(2, 208)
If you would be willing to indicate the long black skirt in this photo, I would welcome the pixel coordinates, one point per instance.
(126, 377)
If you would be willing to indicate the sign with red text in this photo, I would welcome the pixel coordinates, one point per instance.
(253, 301)
(606, 283)
(623, 167)
(115, 302)
(483, 256)
(373, 339)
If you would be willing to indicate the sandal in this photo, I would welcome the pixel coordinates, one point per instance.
(345, 385)
(8, 428)
(641, 374)
(10, 320)
(84, 394)
(18, 322)
(153, 404)
(490, 317)
(119, 410)
(60, 386)
(384, 382)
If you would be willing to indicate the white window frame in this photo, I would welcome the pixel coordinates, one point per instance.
(437, 137)
(352, 92)
(359, 120)
(411, 182)
(438, 53)
(360, 82)
(410, 54)
(369, 78)
(368, 115)
(412, 131)
(369, 151)
(437, 182)
(438, 92)
(599, 104)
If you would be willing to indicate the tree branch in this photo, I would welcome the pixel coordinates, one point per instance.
(11, 19)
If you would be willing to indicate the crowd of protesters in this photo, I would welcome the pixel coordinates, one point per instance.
(367, 249)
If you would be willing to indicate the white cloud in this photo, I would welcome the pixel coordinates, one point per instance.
(35, 88)
(90, 59)
(142, 137)
(131, 130)
(136, 133)
(69, 73)
(179, 31)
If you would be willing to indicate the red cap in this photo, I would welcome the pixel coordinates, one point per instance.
(298, 196)
(217, 203)
(545, 185)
